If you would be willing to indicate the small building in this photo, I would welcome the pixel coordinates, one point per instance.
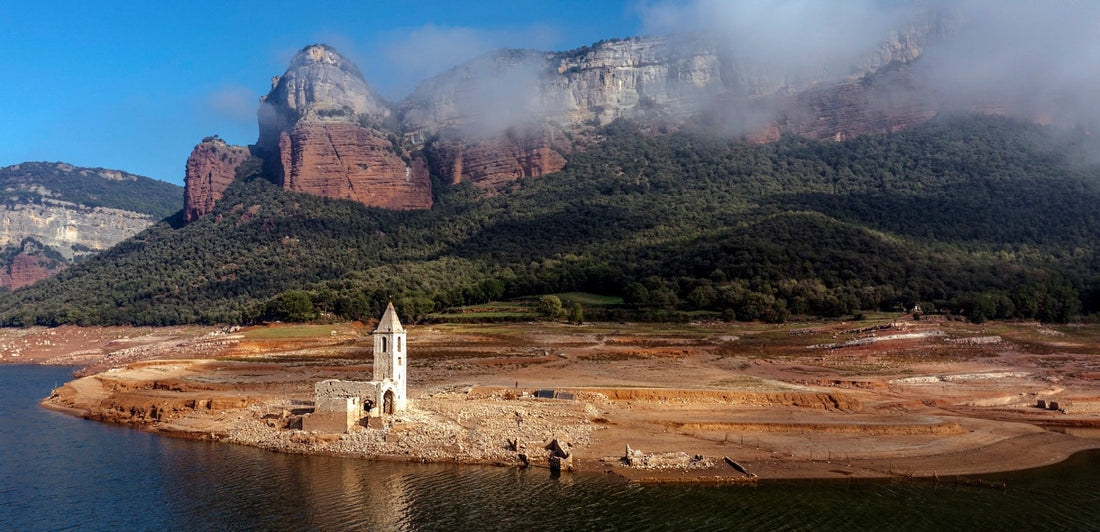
(339, 405)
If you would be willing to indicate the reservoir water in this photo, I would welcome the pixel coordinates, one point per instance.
(58, 472)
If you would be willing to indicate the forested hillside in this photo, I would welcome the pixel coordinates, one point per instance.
(982, 216)
(90, 187)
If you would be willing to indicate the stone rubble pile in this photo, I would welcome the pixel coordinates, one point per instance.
(445, 427)
(678, 460)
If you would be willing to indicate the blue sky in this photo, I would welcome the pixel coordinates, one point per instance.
(135, 85)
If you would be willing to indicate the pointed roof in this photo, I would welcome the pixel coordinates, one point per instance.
(389, 322)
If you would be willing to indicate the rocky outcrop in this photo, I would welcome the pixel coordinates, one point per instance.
(211, 168)
(515, 113)
(323, 132)
(347, 161)
(883, 102)
(597, 84)
(494, 162)
(55, 213)
(31, 263)
(319, 84)
(675, 77)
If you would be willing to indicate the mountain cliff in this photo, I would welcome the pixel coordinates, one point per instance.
(322, 132)
(211, 167)
(54, 214)
(521, 113)
(675, 77)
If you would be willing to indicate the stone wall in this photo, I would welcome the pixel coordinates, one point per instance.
(333, 388)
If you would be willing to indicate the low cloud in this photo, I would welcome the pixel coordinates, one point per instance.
(795, 36)
(235, 103)
(416, 54)
(507, 97)
(1041, 59)
(1037, 58)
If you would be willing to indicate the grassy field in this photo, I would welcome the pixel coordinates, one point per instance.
(588, 299)
(475, 315)
(298, 331)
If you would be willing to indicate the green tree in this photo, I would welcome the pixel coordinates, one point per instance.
(493, 289)
(292, 305)
(576, 314)
(415, 309)
(548, 306)
(636, 295)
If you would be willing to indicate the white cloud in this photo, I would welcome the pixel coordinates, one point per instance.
(1041, 58)
(795, 34)
(416, 54)
(235, 103)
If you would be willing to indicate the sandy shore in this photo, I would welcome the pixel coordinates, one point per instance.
(874, 400)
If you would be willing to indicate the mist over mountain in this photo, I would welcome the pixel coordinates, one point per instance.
(754, 71)
(1036, 59)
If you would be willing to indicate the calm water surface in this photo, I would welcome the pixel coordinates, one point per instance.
(62, 473)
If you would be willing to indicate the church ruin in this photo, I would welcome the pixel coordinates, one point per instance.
(340, 405)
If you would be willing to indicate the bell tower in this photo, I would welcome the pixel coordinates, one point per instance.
(390, 361)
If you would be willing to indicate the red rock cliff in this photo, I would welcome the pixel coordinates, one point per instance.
(322, 133)
(493, 163)
(210, 169)
(29, 266)
(885, 104)
(346, 161)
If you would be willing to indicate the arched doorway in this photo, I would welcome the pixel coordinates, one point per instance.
(387, 402)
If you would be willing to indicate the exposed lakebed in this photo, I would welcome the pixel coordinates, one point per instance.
(57, 471)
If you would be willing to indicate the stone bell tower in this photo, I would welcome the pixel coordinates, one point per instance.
(390, 361)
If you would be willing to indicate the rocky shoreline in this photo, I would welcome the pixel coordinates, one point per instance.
(492, 426)
(916, 400)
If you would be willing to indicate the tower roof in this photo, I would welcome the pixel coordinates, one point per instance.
(389, 322)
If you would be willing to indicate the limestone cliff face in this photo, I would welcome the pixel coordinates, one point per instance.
(468, 116)
(609, 80)
(675, 78)
(55, 213)
(515, 113)
(322, 131)
(70, 229)
(39, 239)
(882, 104)
(210, 169)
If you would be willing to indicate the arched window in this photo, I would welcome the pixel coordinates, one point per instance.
(398, 344)
(383, 344)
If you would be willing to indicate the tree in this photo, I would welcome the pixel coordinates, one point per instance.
(492, 289)
(415, 309)
(576, 314)
(292, 305)
(548, 306)
(636, 295)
